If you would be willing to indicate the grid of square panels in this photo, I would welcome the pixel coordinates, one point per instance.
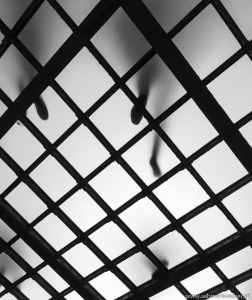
(105, 246)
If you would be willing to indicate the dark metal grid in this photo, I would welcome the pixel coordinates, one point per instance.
(151, 120)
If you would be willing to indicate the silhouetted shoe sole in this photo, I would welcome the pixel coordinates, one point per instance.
(41, 109)
(155, 167)
(159, 273)
(136, 115)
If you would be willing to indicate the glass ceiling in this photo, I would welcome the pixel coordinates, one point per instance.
(125, 152)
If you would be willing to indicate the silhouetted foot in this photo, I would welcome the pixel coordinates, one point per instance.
(136, 114)
(159, 273)
(155, 167)
(41, 108)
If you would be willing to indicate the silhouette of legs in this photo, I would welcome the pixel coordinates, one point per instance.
(136, 114)
(41, 108)
(154, 155)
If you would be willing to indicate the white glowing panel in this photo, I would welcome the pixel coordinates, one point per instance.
(7, 176)
(6, 232)
(10, 268)
(172, 247)
(170, 293)
(33, 290)
(205, 228)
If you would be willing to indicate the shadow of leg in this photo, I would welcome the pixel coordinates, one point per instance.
(136, 114)
(153, 160)
(41, 108)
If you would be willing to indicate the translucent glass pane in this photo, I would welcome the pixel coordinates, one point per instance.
(50, 175)
(201, 281)
(173, 248)
(168, 13)
(241, 13)
(189, 128)
(73, 296)
(109, 286)
(83, 151)
(83, 210)
(85, 89)
(245, 288)
(237, 263)
(10, 268)
(21, 145)
(170, 293)
(60, 116)
(206, 42)
(3, 108)
(78, 9)
(144, 218)
(27, 253)
(140, 154)
(138, 268)
(239, 204)
(6, 232)
(26, 202)
(53, 278)
(120, 42)
(113, 120)
(205, 228)
(157, 81)
(82, 259)
(219, 167)
(7, 176)
(11, 11)
(33, 290)
(55, 231)
(12, 66)
(181, 193)
(246, 132)
(111, 240)
(8, 297)
(235, 99)
(45, 33)
(114, 185)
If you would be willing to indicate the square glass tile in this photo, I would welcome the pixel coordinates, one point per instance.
(73, 296)
(201, 281)
(7, 176)
(55, 231)
(10, 269)
(109, 286)
(172, 247)
(48, 32)
(239, 204)
(114, 185)
(50, 176)
(237, 263)
(83, 210)
(84, 90)
(3, 108)
(120, 42)
(144, 218)
(206, 36)
(53, 278)
(205, 227)
(6, 232)
(60, 116)
(113, 120)
(246, 132)
(82, 259)
(111, 240)
(188, 128)
(245, 288)
(219, 167)
(8, 297)
(181, 193)
(33, 290)
(21, 145)
(26, 202)
(138, 268)
(27, 253)
(233, 90)
(83, 150)
(138, 157)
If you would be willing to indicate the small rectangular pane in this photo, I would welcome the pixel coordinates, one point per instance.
(9, 268)
(33, 290)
